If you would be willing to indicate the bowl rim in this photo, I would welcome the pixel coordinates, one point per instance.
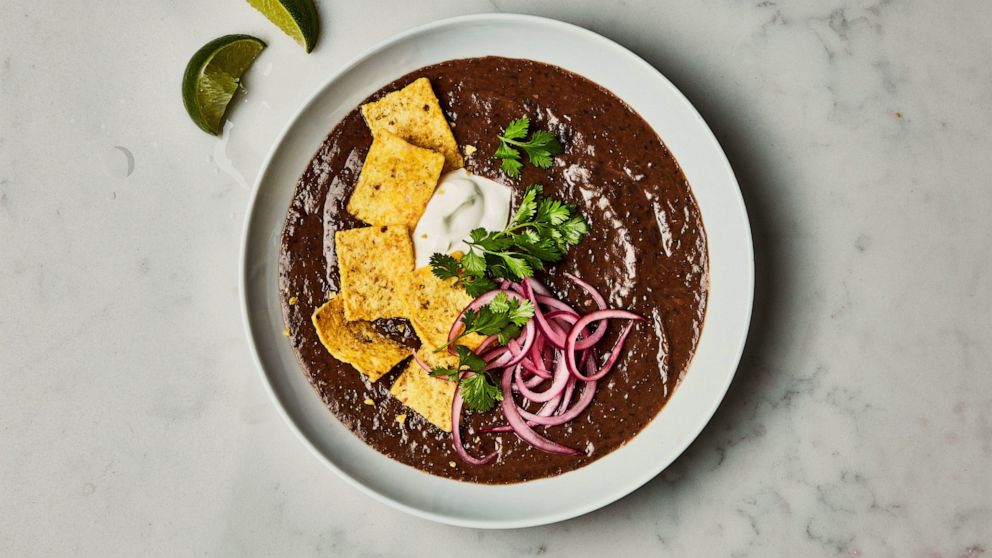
(594, 503)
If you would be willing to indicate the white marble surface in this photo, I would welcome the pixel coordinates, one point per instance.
(132, 420)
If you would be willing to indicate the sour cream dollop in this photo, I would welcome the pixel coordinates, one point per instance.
(461, 202)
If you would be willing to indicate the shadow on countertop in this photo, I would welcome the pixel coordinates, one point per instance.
(735, 421)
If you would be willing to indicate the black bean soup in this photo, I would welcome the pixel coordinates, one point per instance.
(646, 252)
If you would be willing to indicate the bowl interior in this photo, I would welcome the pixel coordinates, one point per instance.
(731, 274)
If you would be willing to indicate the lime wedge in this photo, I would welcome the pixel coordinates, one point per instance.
(212, 77)
(297, 18)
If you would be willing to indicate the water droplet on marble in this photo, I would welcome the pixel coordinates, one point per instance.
(118, 162)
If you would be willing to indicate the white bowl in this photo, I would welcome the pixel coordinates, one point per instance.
(727, 316)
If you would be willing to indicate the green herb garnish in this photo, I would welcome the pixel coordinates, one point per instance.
(540, 148)
(478, 390)
(446, 267)
(540, 231)
(502, 317)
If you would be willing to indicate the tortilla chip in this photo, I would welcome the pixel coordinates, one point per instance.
(414, 114)
(396, 182)
(357, 343)
(428, 396)
(433, 305)
(375, 265)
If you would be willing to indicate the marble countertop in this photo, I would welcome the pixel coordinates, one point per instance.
(132, 419)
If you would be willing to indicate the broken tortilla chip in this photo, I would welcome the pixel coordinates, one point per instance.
(414, 114)
(396, 182)
(432, 306)
(375, 265)
(357, 343)
(430, 397)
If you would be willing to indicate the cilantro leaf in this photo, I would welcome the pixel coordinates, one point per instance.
(498, 269)
(540, 148)
(480, 393)
(500, 303)
(466, 357)
(546, 140)
(512, 166)
(478, 234)
(469, 318)
(521, 312)
(444, 266)
(485, 322)
(503, 317)
(541, 249)
(517, 129)
(508, 333)
(477, 286)
(473, 264)
(528, 205)
(574, 229)
(535, 263)
(492, 242)
(478, 390)
(504, 151)
(517, 265)
(553, 211)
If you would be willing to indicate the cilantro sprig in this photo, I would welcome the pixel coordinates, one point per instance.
(541, 231)
(502, 317)
(540, 148)
(446, 267)
(478, 389)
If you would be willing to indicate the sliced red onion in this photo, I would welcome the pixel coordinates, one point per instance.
(584, 356)
(537, 286)
(533, 381)
(486, 343)
(557, 384)
(575, 410)
(590, 340)
(536, 369)
(418, 360)
(554, 336)
(520, 427)
(456, 419)
(612, 356)
(519, 351)
(596, 297)
(457, 327)
(563, 316)
(569, 319)
(548, 356)
(598, 316)
(492, 355)
(566, 397)
(554, 303)
(554, 345)
(567, 416)
(549, 406)
(499, 362)
(537, 348)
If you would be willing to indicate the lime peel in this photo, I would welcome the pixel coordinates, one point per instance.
(212, 77)
(296, 18)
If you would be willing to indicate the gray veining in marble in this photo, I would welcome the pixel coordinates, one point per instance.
(132, 421)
